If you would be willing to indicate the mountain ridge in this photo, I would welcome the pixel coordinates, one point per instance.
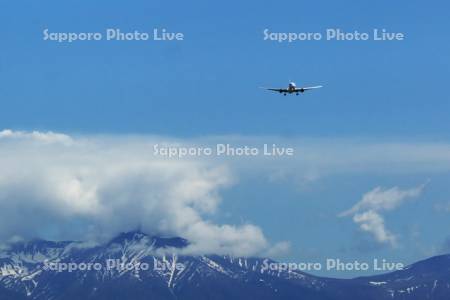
(129, 267)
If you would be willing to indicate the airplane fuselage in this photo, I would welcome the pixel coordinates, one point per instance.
(292, 88)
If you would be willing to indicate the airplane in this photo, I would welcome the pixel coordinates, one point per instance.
(292, 88)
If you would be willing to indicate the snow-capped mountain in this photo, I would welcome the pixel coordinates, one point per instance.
(133, 266)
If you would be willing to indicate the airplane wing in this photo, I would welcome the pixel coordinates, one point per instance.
(276, 90)
(308, 88)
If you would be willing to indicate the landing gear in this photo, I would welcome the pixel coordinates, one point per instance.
(284, 94)
(296, 94)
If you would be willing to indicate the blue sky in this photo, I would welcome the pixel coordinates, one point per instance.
(210, 80)
(207, 85)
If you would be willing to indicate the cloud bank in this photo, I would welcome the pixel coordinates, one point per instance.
(74, 187)
(54, 184)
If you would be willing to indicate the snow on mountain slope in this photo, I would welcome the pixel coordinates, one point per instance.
(131, 266)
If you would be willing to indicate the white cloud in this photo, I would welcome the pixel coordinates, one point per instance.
(55, 184)
(372, 222)
(380, 199)
(367, 212)
(70, 187)
(48, 137)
